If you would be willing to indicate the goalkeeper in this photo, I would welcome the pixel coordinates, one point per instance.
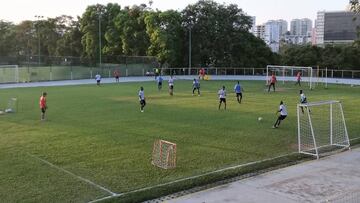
(283, 114)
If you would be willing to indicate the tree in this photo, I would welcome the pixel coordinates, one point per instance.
(89, 26)
(113, 45)
(7, 38)
(70, 42)
(221, 35)
(166, 36)
(132, 28)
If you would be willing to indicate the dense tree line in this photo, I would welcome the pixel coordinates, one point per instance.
(219, 37)
(219, 34)
(331, 56)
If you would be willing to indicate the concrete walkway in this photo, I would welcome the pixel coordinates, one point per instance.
(331, 179)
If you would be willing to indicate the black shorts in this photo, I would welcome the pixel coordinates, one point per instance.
(239, 94)
(222, 100)
(281, 117)
(117, 77)
(171, 87)
(143, 102)
(43, 110)
(160, 83)
(98, 81)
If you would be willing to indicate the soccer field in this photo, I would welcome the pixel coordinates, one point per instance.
(99, 134)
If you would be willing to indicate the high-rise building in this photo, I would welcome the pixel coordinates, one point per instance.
(336, 27)
(260, 32)
(274, 31)
(300, 26)
(253, 24)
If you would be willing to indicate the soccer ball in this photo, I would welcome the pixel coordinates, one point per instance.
(260, 118)
(1, 112)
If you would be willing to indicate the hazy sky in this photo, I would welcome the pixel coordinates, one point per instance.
(18, 10)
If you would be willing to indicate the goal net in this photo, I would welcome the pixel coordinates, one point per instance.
(9, 73)
(164, 154)
(289, 74)
(12, 106)
(321, 127)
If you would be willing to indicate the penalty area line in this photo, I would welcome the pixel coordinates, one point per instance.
(73, 175)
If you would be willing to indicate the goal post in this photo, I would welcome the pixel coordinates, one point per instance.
(164, 154)
(13, 106)
(288, 73)
(321, 127)
(9, 73)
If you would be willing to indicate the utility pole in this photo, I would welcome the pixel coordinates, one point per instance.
(189, 50)
(38, 31)
(100, 37)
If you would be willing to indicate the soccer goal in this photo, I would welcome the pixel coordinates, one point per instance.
(9, 73)
(321, 127)
(289, 73)
(12, 106)
(164, 154)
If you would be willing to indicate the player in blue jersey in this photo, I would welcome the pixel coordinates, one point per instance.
(159, 82)
(196, 86)
(238, 92)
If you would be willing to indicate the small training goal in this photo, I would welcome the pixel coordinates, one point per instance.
(321, 128)
(164, 154)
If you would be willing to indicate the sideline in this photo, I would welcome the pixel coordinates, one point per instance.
(73, 175)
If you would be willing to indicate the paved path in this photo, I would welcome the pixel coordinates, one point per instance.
(330, 179)
(179, 77)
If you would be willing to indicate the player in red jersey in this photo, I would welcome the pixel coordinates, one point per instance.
(43, 105)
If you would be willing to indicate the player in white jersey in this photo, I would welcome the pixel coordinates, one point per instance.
(303, 100)
(142, 99)
(98, 78)
(283, 113)
(222, 96)
(171, 85)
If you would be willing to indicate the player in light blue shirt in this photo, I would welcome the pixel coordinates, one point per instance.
(196, 86)
(159, 82)
(238, 92)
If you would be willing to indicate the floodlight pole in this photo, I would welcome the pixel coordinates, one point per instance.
(38, 30)
(190, 50)
(100, 37)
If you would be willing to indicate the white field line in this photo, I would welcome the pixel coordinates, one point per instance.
(72, 174)
(105, 198)
(191, 177)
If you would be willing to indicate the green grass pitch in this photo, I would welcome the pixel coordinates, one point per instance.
(100, 134)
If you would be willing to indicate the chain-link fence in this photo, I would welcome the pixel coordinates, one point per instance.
(34, 68)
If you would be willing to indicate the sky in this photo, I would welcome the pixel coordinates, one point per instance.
(264, 10)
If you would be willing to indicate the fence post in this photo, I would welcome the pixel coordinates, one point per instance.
(342, 74)
(143, 71)
(352, 74)
(253, 71)
(127, 74)
(216, 71)
(91, 74)
(50, 73)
